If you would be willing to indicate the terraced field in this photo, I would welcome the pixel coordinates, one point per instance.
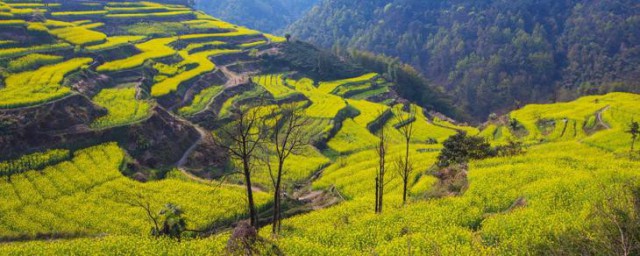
(275, 84)
(323, 105)
(122, 105)
(201, 59)
(201, 100)
(39, 86)
(77, 197)
(477, 222)
(600, 121)
(129, 129)
(152, 49)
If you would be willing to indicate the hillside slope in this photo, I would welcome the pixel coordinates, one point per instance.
(493, 55)
(113, 116)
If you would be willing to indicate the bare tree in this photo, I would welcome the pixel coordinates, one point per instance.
(144, 202)
(240, 138)
(287, 137)
(381, 150)
(404, 165)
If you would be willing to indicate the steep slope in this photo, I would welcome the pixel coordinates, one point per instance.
(137, 89)
(265, 15)
(493, 55)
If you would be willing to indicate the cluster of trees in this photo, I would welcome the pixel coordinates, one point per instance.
(271, 138)
(492, 55)
(461, 148)
(403, 164)
(251, 138)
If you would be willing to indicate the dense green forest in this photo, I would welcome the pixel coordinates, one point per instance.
(266, 15)
(492, 55)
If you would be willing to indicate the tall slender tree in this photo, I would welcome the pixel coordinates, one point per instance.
(286, 138)
(404, 164)
(381, 150)
(241, 138)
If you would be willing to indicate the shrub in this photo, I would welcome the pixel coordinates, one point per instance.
(173, 223)
(512, 148)
(461, 148)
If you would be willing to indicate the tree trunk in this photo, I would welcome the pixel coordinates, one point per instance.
(404, 195)
(381, 181)
(274, 219)
(252, 208)
(377, 195)
(406, 172)
(381, 190)
(380, 174)
(277, 201)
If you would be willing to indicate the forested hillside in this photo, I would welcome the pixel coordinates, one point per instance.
(266, 15)
(493, 55)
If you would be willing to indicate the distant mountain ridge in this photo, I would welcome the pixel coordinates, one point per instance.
(493, 55)
(266, 15)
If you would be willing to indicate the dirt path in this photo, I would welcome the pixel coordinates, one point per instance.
(599, 117)
(234, 79)
(207, 181)
(185, 156)
(191, 176)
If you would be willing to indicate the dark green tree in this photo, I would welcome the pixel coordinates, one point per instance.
(514, 124)
(634, 130)
(461, 148)
(173, 223)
